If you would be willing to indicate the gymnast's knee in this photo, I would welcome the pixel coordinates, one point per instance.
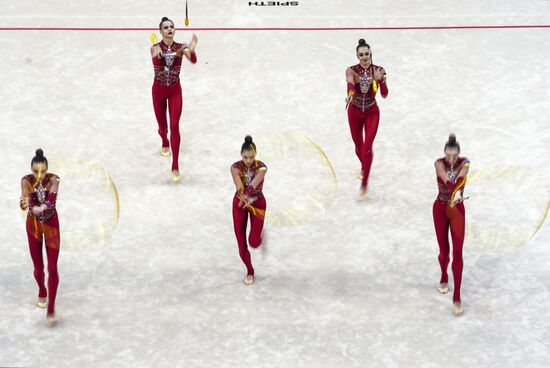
(255, 243)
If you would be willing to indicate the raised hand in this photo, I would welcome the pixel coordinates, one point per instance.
(156, 51)
(378, 73)
(194, 41)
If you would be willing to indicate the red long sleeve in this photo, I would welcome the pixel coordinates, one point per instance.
(193, 57)
(383, 89)
(249, 192)
(50, 201)
(450, 186)
(460, 184)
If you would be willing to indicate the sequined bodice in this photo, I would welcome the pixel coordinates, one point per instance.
(364, 94)
(167, 68)
(452, 171)
(39, 195)
(247, 174)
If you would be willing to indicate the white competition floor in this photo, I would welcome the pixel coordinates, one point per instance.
(343, 284)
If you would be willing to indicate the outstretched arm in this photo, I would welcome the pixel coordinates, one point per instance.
(250, 190)
(25, 192)
(237, 179)
(441, 172)
(458, 193)
(259, 177)
(464, 168)
(51, 199)
(238, 186)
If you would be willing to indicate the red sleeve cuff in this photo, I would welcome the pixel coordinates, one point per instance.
(51, 198)
(249, 191)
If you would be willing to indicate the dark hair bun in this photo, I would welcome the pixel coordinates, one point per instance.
(164, 19)
(39, 157)
(362, 42)
(248, 139)
(452, 138)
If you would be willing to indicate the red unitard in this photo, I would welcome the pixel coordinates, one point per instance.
(167, 95)
(41, 228)
(450, 218)
(363, 115)
(240, 215)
